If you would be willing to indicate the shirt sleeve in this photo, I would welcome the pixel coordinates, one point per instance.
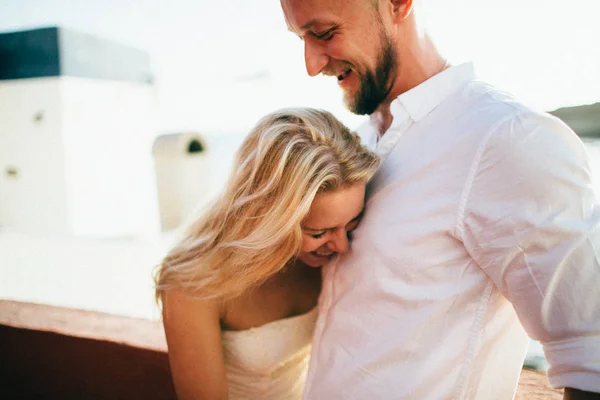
(531, 220)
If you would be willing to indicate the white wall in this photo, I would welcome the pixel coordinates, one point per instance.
(82, 149)
(35, 200)
(112, 276)
(108, 129)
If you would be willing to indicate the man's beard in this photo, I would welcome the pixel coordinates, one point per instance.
(373, 88)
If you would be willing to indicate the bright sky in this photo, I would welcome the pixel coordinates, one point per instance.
(221, 65)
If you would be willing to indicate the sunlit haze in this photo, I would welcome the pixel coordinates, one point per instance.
(219, 66)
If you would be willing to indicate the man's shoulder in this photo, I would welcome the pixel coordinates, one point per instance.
(516, 129)
(502, 109)
(487, 98)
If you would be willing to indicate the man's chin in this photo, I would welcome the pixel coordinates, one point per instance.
(350, 103)
(355, 104)
(360, 108)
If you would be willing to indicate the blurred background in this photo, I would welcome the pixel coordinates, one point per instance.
(96, 167)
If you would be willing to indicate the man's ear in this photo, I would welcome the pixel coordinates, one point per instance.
(401, 9)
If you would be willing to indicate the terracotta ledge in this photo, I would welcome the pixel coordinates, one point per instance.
(149, 335)
(534, 386)
(133, 332)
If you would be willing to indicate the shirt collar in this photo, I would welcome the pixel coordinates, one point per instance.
(424, 98)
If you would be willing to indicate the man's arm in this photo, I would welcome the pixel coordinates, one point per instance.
(531, 221)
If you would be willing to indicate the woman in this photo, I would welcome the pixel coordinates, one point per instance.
(239, 292)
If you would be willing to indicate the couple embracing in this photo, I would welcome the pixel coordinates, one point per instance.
(413, 259)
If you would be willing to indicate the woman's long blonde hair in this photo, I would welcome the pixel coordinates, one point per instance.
(254, 228)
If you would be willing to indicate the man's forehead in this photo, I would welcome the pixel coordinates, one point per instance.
(301, 15)
(311, 24)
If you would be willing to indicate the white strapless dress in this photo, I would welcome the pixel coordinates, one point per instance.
(270, 361)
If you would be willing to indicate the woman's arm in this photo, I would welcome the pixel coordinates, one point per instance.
(193, 333)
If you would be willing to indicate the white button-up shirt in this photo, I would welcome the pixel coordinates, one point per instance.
(481, 228)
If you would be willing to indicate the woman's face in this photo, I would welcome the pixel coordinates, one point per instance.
(326, 230)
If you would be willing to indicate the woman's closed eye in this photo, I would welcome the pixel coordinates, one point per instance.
(318, 235)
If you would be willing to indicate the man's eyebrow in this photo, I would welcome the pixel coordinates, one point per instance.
(309, 24)
(304, 27)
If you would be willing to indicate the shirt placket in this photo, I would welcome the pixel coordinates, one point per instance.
(400, 124)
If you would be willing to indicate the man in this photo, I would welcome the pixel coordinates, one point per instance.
(481, 226)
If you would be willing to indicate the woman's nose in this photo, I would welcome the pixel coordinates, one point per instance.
(339, 243)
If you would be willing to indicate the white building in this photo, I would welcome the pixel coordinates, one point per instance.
(76, 133)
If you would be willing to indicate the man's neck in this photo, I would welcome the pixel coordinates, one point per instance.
(425, 63)
(382, 118)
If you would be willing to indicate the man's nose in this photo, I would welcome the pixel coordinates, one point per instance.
(314, 57)
(339, 243)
